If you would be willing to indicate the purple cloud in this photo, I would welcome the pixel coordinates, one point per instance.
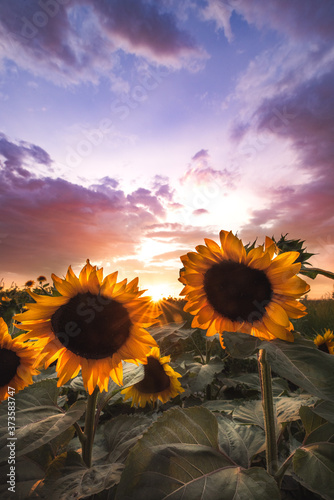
(51, 222)
(200, 211)
(16, 156)
(299, 19)
(200, 172)
(79, 40)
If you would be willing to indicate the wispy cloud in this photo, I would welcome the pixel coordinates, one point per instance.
(50, 221)
(71, 42)
(200, 172)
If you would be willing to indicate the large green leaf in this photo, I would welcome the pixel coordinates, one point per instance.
(41, 396)
(27, 473)
(304, 365)
(240, 442)
(325, 409)
(179, 458)
(173, 332)
(35, 434)
(199, 376)
(121, 433)
(323, 433)
(314, 466)
(68, 477)
(311, 420)
(287, 410)
(241, 345)
(38, 418)
(252, 381)
(224, 405)
(251, 412)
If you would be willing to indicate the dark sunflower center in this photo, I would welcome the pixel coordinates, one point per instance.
(324, 348)
(91, 326)
(236, 291)
(9, 362)
(155, 378)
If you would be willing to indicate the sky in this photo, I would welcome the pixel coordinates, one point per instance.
(133, 129)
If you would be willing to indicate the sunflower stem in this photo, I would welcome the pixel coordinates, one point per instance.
(89, 432)
(268, 412)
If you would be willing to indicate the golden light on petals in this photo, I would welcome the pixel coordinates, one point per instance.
(230, 288)
(17, 360)
(93, 325)
(160, 382)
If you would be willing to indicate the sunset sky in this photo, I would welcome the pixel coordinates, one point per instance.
(133, 129)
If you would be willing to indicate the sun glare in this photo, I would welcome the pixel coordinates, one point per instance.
(158, 292)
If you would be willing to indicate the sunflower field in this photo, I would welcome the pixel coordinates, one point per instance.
(226, 393)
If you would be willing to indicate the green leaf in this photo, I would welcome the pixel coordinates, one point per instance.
(323, 433)
(287, 409)
(41, 395)
(304, 365)
(252, 381)
(27, 473)
(173, 332)
(240, 345)
(240, 442)
(122, 433)
(67, 477)
(313, 273)
(34, 434)
(178, 458)
(224, 405)
(46, 374)
(199, 376)
(250, 412)
(325, 409)
(314, 466)
(311, 420)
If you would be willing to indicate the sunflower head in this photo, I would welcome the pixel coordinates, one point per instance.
(41, 278)
(92, 325)
(17, 361)
(325, 342)
(160, 381)
(251, 289)
(29, 283)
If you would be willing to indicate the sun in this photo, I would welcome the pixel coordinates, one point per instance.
(158, 292)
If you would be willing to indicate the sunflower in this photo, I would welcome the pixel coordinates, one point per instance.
(94, 324)
(234, 288)
(325, 342)
(159, 382)
(29, 283)
(17, 361)
(41, 278)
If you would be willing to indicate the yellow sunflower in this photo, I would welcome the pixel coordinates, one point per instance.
(159, 382)
(17, 361)
(229, 288)
(94, 324)
(325, 342)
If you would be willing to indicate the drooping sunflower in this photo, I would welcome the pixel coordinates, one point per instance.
(93, 325)
(29, 283)
(325, 342)
(160, 381)
(17, 361)
(231, 288)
